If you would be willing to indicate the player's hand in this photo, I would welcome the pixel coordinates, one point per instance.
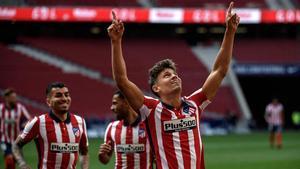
(105, 148)
(116, 29)
(232, 20)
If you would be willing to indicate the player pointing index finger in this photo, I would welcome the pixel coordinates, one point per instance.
(166, 115)
(230, 9)
(114, 16)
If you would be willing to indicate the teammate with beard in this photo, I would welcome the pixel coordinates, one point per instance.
(127, 137)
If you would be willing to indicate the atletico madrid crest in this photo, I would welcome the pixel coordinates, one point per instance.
(76, 131)
(142, 133)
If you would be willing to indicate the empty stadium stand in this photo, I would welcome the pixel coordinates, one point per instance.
(140, 54)
(89, 97)
(276, 51)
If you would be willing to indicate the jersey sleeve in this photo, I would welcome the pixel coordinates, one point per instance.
(31, 130)
(200, 99)
(148, 105)
(83, 145)
(107, 135)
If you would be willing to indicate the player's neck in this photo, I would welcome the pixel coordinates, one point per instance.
(131, 118)
(9, 106)
(172, 101)
(61, 116)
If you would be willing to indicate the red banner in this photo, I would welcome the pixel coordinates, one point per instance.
(281, 16)
(145, 15)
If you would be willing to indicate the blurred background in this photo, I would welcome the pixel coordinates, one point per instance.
(42, 41)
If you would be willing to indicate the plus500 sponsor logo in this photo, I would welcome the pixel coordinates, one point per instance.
(130, 148)
(64, 147)
(180, 124)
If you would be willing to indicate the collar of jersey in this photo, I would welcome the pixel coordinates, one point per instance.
(135, 123)
(53, 116)
(183, 104)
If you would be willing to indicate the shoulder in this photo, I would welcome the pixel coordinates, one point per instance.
(78, 118)
(150, 101)
(20, 104)
(114, 123)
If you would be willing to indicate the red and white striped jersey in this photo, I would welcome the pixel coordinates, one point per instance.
(274, 113)
(57, 142)
(175, 133)
(10, 122)
(131, 145)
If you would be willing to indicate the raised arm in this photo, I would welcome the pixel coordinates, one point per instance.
(17, 151)
(132, 93)
(222, 62)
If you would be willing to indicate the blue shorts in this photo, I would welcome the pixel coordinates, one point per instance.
(275, 128)
(6, 148)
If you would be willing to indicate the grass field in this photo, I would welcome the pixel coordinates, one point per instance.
(249, 151)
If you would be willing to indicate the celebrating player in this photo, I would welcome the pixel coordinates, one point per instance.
(173, 121)
(59, 135)
(127, 137)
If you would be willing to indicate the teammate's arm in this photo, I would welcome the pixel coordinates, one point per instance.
(17, 152)
(84, 160)
(84, 156)
(29, 133)
(132, 93)
(222, 62)
(105, 152)
(83, 146)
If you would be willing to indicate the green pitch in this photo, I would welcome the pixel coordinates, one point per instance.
(249, 151)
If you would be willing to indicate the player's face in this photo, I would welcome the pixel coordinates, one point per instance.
(118, 106)
(11, 99)
(59, 100)
(167, 82)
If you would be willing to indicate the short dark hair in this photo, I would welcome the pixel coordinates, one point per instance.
(157, 68)
(54, 85)
(120, 94)
(8, 92)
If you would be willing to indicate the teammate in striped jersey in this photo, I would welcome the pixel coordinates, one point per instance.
(59, 135)
(274, 116)
(173, 120)
(127, 137)
(13, 116)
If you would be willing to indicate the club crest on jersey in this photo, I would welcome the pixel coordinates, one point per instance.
(180, 124)
(130, 148)
(76, 131)
(188, 110)
(142, 133)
